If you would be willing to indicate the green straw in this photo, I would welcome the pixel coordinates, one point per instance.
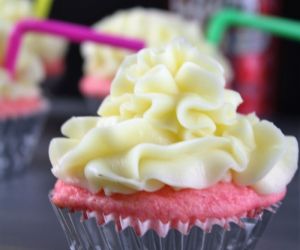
(42, 8)
(227, 18)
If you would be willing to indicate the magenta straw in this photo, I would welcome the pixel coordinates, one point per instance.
(73, 32)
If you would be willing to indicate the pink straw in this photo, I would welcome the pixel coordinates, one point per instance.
(74, 32)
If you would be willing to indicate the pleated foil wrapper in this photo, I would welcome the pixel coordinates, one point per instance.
(83, 232)
(18, 138)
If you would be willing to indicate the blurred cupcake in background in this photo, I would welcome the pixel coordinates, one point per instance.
(169, 163)
(23, 110)
(11, 11)
(50, 49)
(155, 27)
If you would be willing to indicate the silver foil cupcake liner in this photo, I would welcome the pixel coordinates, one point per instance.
(84, 232)
(19, 136)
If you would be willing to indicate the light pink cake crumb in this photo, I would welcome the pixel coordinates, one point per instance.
(223, 200)
(11, 108)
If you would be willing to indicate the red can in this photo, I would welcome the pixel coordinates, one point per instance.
(254, 60)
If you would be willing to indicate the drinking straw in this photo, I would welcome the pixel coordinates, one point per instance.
(42, 8)
(73, 32)
(228, 18)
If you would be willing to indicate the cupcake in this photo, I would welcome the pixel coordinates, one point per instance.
(50, 49)
(158, 28)
(22, 114)
(169, 163)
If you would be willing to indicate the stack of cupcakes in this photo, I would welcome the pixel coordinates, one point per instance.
(155, 27)
(169, 163)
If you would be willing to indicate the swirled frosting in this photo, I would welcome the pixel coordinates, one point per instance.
(157, 29)
(11, 11)
(15, 10)
(29, 70)
(29, 74)
(170, 121)
(47, 47)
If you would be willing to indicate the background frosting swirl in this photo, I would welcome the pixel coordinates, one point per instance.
(29, 74)
(159, 28)
(48, 47)
(170, 121)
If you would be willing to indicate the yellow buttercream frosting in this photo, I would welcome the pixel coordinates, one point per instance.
(15, 10)
(29, 70)
(48, 48)
(11, 11)
(29, 74)
(170, 121)
(155, 27)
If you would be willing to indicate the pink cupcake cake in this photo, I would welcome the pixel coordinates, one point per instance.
(159, 28)
(22, 114)
(169, 163)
